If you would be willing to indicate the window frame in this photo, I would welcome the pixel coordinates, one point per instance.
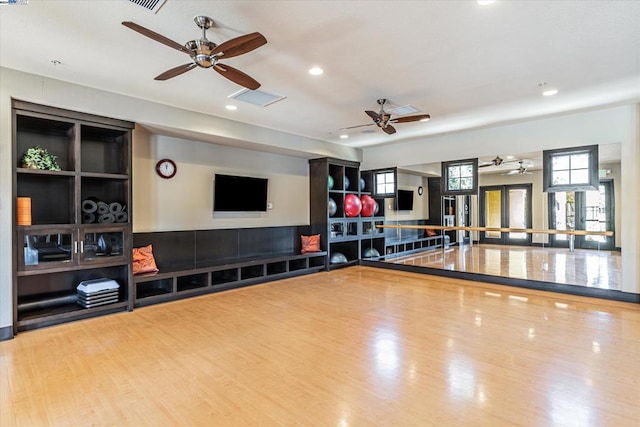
(444, 187)
(377, 173)
(592, 172)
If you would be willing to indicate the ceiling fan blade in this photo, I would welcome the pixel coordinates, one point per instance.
(389, 129)
(357, 126)
(408, 119)
(239, 45)
(485, 165)
(375, 116)
(236, 76)
(157, 37)
(175, 71)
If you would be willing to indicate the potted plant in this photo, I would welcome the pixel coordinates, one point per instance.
(39, 158)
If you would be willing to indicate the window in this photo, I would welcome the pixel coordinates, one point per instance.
(385, 183)
(571, 169)
(460, 177)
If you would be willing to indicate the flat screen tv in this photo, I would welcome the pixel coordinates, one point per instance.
(404, 200)
(239, 194)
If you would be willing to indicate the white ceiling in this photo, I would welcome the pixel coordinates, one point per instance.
(467, 66)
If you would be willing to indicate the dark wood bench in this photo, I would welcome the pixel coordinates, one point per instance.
(204, 261)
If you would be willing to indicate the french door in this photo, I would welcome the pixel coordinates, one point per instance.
(583, 210)
(505, 206)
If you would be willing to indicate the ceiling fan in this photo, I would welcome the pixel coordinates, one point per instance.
(521, 170)
(207, 54)
(495, 162)
(383, 119)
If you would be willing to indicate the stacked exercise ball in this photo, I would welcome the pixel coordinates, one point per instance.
(333, 208)
(352, 205)
(338, 258)
(369, 206)
(371, 253)
(330, 182)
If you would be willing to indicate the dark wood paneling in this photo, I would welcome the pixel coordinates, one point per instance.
(216, 246)
(170, 248)
(202, 248)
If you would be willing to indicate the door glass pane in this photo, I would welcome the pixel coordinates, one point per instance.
(595, 215)
(47, 248)
(517, 212)
(493, 210)
(102, 245)
(564, 213)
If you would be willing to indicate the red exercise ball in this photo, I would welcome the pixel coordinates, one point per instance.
(368, 205)
(352, 205)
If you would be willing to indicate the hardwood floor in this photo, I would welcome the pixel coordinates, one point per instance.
(357, 346)
(582, 267)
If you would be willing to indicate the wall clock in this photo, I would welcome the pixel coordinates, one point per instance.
(166, 168)
(420, 190)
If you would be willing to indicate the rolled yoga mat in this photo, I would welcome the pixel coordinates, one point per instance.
(106, 218)
(115, 207)
(89, 206)
(103, 208)
(121, 216)
(88, 217)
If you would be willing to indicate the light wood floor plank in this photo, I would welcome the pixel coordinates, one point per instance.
(357, 346)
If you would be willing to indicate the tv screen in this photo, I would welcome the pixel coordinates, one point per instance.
(239, 194)
(404, 200)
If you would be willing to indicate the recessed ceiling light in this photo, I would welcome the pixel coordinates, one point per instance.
(231, 107)
(546, 90)
(316, 71)
(509, 157)
(485, 2)
(344, 136)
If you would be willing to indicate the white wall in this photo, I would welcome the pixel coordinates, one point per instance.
(185, 202)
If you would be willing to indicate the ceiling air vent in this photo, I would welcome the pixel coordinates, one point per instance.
(256, 97)
(401, 111)
(152, 5)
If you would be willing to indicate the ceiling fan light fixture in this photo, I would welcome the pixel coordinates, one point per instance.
(426, 119)
(316, 71)
(205, 61)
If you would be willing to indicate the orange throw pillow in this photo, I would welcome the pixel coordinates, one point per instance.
(310, 243)
(143, 260)
(430, 232)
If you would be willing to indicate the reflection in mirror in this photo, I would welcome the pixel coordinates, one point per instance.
(510, 195)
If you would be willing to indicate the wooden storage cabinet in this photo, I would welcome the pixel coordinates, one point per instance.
(62, 246)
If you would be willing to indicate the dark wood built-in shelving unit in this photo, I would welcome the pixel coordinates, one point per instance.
(59, 249)
(350, 236)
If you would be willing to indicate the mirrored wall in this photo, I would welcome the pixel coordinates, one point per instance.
(510, 195)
